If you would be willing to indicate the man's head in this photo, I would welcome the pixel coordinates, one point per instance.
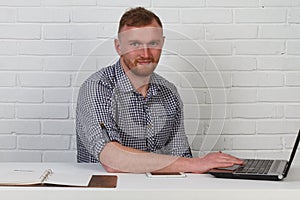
(138, 17)
(140, 41)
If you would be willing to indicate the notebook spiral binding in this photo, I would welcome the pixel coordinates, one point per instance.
(46, 175)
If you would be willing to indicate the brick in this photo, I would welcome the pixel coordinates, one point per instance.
(70, 63)
(20, 156)
(206, 112)
(21, 95)
(290, 141)
(232, 3)
(260, 15)
(277, 126)
(69, 2)
(104, 61)
(20, 31)
(244, 95)
(7, 15)
(21, 63)
(43, 15)
(124, 3)
(185, 31)
(257, 79)
(8, 142)
(212, 143)
(171, 47)
(191, 16)
(42, 111)
(44, 79)
(29, 95)
(7, 111)
(192, 96)
(231, 63)
(257, 142)
(7, 79)
(259, 111)
(167, 15)
(94, 48)
(239, 127)
(179, 64)
(70, 32)
(45, 48)
(62, 95)
(43, 142)
(79, 78)
(279, 3)
(283, 155)
(220, 32)
(20, 127)
(20, 3)
(8, 48)
(60, 156)
(64, 127)
(292, 79)
(293, 47)
(279, 95)
(217, 80)
(278, 63)
(259, 47)
(206, 80)
(96, 15)
(178, 3)
(294, 16)
(292, 111)
(213, 96)
(73, 145)
(279, 31)
(190, 47)
(193, 127)
(107, 30)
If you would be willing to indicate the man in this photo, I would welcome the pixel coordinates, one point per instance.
(129, 118)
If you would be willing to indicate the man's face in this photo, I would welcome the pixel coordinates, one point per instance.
(140, 48)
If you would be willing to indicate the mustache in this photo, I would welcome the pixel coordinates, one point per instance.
(151, 60)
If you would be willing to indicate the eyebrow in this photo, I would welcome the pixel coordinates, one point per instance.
(155, 40)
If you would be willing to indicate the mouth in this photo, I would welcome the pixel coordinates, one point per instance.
(144, 61)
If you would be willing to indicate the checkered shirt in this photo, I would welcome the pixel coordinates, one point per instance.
(152, 124)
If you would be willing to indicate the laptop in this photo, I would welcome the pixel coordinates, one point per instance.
(258, 169)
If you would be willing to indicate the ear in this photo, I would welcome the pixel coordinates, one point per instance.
(163, 41)
(118, 47)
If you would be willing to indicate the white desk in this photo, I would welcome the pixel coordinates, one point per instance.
(140, 187)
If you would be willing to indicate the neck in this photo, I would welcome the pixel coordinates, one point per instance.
(140, 83)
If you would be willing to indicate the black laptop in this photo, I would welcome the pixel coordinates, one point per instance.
(259, 169)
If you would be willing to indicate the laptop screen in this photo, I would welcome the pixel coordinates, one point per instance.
(292, 154)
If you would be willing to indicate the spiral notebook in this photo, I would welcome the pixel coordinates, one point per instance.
(48, 177)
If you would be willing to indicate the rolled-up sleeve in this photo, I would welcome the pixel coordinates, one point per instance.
(93, 108)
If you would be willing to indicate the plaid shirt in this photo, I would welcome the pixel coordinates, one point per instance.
(152, 124)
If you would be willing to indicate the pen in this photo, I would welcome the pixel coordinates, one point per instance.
(104, 130)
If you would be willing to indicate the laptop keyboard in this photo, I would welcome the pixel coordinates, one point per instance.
(255, 167)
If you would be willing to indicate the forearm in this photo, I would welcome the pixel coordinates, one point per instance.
(117, 158)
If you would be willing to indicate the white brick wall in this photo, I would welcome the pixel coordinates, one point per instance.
(236, 64)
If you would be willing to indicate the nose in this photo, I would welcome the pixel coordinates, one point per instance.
(145, 51)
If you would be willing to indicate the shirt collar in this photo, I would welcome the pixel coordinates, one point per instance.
(126, 86)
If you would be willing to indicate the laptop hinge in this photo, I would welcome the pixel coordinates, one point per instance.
(285, 169)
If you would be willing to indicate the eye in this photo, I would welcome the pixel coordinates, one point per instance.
(153, 44)
(135, 44)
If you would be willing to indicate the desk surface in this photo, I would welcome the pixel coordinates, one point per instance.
(138, 186)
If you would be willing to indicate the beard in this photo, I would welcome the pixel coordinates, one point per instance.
(142, 67)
